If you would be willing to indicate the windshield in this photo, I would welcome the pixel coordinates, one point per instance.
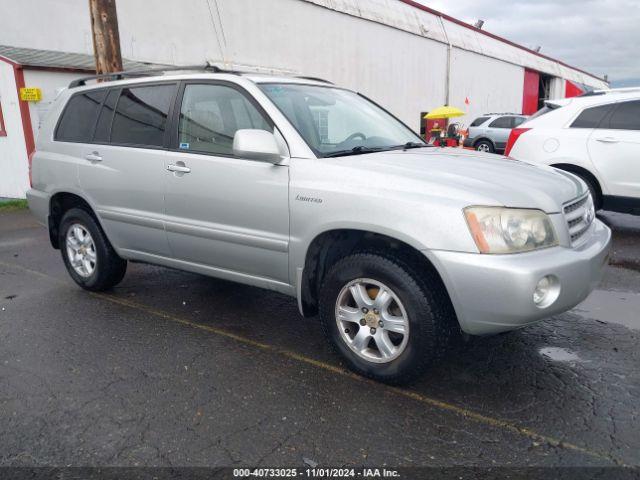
(337, 122)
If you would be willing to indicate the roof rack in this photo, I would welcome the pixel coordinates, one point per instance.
(609, 90)
(148, 72)
(503, 113)
(315, 79)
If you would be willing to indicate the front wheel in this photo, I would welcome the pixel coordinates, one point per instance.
(386, 321)
(89, 257)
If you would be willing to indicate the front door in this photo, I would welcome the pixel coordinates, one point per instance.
(222, 211)
(614, 148)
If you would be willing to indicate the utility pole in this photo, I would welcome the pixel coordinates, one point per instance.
(106, 39)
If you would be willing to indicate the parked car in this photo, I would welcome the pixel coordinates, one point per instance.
(595, 136)
(490, 132)
(312, 190)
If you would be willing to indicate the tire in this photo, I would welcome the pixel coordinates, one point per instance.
(485, 146)
(97, 266)
(595, 192)
(421, 302)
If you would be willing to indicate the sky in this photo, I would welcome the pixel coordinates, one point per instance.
(599, 36)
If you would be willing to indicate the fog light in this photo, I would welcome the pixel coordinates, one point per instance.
(547, 291)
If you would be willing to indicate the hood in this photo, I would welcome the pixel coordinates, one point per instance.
(473, 178)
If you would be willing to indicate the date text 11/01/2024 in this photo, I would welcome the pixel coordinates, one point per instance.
(316, 472)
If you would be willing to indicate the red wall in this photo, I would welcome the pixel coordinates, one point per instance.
(572, 90)
(530, 93)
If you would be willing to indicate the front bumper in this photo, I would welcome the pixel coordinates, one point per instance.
(494, 293)
(468, 142)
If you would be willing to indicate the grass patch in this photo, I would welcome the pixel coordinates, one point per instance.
(13, 205)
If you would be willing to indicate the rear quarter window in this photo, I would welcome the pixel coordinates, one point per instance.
(79, 117)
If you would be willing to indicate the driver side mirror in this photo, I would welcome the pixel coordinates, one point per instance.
(254, 144)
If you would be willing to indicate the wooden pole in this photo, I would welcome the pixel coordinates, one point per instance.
(106, 39)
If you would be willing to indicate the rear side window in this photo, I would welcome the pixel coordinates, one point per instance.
(79, 117)
(479, 121)
(626, 116)
(502, 122)
(106, 116)
(141, 115)
(591, 117)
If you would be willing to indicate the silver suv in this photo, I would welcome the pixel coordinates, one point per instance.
(490, 132)
(312, 190)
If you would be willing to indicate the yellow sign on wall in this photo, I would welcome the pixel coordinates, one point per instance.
(30, 94)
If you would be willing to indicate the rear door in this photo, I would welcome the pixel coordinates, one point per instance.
(614, 148)
(499, 130)
(223, 211)
(123, 170)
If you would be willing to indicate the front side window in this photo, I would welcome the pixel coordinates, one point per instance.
(210, 116)
(626, 116)
(591, 117)
(334, 121)
(79, 117)
(141, 115)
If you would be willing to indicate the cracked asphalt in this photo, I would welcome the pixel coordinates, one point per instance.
(175, 369)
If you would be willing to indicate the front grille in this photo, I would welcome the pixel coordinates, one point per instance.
(579, 215)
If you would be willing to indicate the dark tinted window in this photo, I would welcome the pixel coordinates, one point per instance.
(479, 121)
(502, 122)
(106, 115)
(591, 117)
(79, 117)
(517, 121)
(211, 115)
(626, 116)
(141, 115)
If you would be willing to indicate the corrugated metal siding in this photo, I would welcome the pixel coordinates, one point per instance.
(405, 17)
(31, 57)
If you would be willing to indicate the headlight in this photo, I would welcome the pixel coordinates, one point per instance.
(509, 230)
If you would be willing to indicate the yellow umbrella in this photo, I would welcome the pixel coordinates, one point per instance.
(444, 112)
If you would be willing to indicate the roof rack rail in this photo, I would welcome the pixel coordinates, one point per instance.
(503, 113)
(315, 79)
(604, 91)
(148, 72)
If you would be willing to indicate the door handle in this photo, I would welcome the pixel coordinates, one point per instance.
(93, 157)
(178, 168)
(607, 140)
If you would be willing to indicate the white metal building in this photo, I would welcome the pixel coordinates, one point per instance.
(407, 57)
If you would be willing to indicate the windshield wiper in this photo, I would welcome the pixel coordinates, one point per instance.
(359, 150)
(409, 145)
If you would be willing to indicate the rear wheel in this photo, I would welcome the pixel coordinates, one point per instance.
(89, 257)
(387, 322)
(485, 146)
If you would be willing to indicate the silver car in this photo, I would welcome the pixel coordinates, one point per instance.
(312, 190)
(489, 133)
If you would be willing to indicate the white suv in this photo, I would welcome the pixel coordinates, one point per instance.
(595, 136)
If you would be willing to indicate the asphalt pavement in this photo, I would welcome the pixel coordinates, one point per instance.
(176, 369)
